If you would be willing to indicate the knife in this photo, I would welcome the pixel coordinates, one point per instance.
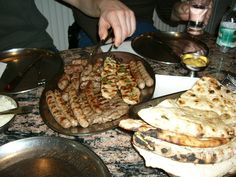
(17, 79)
(18, 110)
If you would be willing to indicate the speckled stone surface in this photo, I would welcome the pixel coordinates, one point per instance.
(113, 146)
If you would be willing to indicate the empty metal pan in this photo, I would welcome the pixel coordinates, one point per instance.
(49, 157)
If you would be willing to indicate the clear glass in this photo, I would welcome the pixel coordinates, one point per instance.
(197, 13)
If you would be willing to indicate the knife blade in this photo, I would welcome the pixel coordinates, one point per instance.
(18, 110)
(17, 79)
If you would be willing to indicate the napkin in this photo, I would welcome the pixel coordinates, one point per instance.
(2, 68)
(124, 47)
(166, 84)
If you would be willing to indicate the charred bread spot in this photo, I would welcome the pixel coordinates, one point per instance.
(153, 134)
(218, 88)
(214, 157)
(215, 99)
(200, 161)
(227, 91)
(164, 150)
(211, 91)
(164, 117)
(176, 158)
(181, 102)
(189, 158)
(200, 128)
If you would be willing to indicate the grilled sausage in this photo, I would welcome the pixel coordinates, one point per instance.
(64, 107)
(63, 81)
(75, 107)
(136, 74)
(55, 111)
(145, 75)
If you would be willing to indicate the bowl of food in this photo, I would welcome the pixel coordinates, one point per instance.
(6, 103)
(194, 62)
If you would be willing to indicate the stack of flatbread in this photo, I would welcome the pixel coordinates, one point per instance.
(193, 135)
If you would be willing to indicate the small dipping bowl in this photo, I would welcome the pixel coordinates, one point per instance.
(194, 62)
(6, 103)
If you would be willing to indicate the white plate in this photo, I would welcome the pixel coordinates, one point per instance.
(166, 84)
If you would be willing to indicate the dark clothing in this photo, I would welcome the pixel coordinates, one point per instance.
(22, 26)
(143, 10)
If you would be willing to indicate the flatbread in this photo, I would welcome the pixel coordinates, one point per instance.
(185, 120)
(182, 169)
(185, 153)
(209, 94)
(171, 137)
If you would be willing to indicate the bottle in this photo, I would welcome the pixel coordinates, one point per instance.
(226, 39)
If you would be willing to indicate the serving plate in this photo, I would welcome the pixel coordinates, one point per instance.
(167, 47)
(146, 94)
(49, 65)
(49, 156)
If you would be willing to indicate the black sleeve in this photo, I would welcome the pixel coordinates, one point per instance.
(88, 24)
(164, 9)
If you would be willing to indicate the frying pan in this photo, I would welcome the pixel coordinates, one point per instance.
(49, 157)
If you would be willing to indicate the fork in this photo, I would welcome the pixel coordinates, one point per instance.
(102, 42)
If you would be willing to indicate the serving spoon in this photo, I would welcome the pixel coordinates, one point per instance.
(18, 110)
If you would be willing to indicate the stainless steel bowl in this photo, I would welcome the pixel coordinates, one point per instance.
(49, 156)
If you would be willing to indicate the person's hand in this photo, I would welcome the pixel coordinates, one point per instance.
(117, 16)
(180, 12)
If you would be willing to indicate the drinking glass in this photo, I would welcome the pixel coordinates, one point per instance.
(197, 13)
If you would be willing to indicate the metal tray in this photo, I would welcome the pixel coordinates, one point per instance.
(167, 47)
(49, 156)
(18, 59)
(146, 95)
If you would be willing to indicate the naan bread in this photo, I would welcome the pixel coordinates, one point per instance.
(185, 120)
(183, 169)
(209, 94)
(171, 137)
(185, 153)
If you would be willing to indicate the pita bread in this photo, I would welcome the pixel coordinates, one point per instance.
(209, 94)
(184, 120)
(185, 153)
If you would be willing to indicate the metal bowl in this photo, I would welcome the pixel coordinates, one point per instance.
(48, 65)
(194, 62)
(49, 156)
(6, 102)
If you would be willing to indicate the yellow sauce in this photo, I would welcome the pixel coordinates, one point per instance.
(194, 60)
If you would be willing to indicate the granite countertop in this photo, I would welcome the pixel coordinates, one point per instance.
(113, 146)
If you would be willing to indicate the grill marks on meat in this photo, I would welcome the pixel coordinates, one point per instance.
(76, 108)
(145, 75)
(127, 85)
(65, 108)
(84, 93)
(109, 78)
(55, 110)
(64, 81)
(92, 99)
(136, 74)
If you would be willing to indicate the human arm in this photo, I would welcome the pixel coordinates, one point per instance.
(164, 11)
(112, 14)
